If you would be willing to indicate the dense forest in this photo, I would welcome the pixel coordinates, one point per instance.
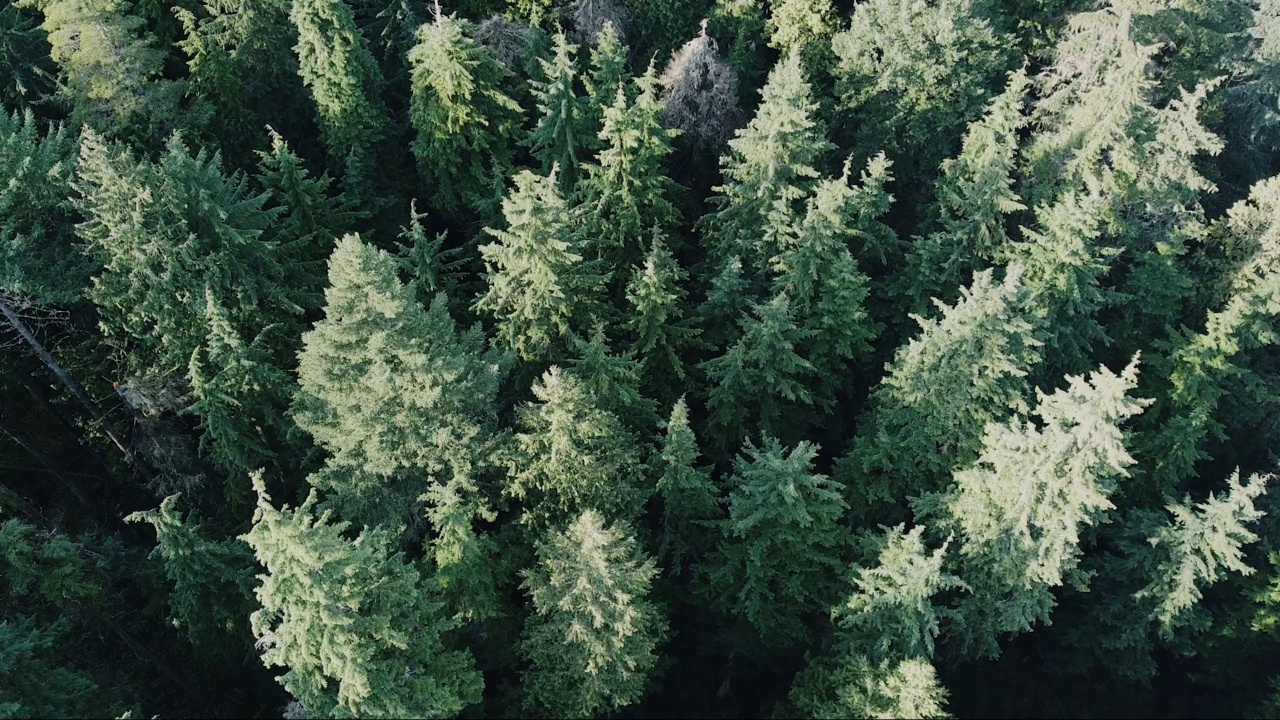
(639, 358)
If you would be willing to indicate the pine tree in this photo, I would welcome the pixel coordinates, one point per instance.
(110, 68)
(1021, 507)
(626, 194)
(761, 381)
(27, 73)
(37, 257)
(387, 387)
(1202, 542)
(818, 273)
(913, 74)
(166, 233)
(1198, 364)
(572, 456)
(241, 397)
(539, 291)
(980, 350)
(212, 581)
(592, 638)
(335, 62)
(656, 322)
(975, 195)
(689, 497)
(561, 135)
(769, 166)
(465, 123)
(615, 382)
(782, 545)
(311, 220)
(349, 620)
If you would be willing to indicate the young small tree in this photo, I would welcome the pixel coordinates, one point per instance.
(592, 638)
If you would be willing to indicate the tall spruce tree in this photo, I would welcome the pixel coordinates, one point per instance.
(562, 135)
(465, 123)
(781, 546)
(912, 74)
(592, 638)
(1021, 508)
(689, 497)
(981, 350)
(626, 193)
(335, 62)
(768, 168)
(165, 234)
(351, 621)
(391, 390)
(573, 456)
(656, 321)
(212, 581)
(539, 291)
(110, 69)
(38, 259)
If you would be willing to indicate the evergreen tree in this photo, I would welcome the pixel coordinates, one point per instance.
(465, 574)
(387, 387)
(689, 497)
(769, 166)
(913, 74)
(761, 381)
(1198, 364)
(240, 65)
(800, 24)
(465, 123)
(856, 688)
(626, 194)
(43, 579)
(572, 456)
(592, 638)
(614, 382)
(656, 322)
(608, 71)
(782, 545)
(560, 137)
(350, 620)
(27, 73)
(818, 273)
(975, 195)
(212, 581)
(37, 257)
(335, 62)
(110, 68)
(539, 291)
(241, 397)
(1021, 507)
(1202, 542)
(980, 350)
(165, 234)
(311, 219)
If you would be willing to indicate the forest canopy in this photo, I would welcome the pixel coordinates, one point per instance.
(639, 358)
